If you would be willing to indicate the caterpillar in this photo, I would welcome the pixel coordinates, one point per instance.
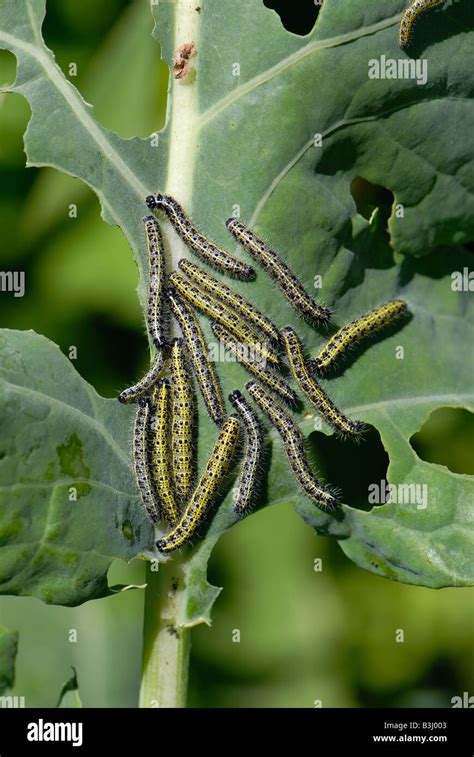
(230, 297)
(268, 377)
(156, 273)
(289, 284)
(197, 349)
(313, 391)
(293, 443)
(183, 414)
(410, 16)
(261, 352)
(140, 459)
(159, 450)
(197, 243)
(213, 309)
(355, 331)
(133, 393)
(206, 489)
(252, 454)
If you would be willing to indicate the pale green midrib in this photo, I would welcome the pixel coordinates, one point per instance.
(76, 104)
(67, 482)
(291, 60)
(164, 676)
(83, 415)
(183, 122)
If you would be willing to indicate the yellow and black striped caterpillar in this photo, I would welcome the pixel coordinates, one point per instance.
(197, 242)
(140, 459)
(213, 309)
(156, 282)
(293, 443)
(133, 393)
(204, 369)
(282, 274)
(261, 371)
(410, 17)
(207, 488)
(252, 454)
(313, 391)
(183, 415)
(159, 450)
(230, 297)
(354, 332)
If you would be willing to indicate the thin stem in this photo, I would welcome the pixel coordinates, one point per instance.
(166, 646)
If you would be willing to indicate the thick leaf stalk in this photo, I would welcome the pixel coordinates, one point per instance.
(166, 645)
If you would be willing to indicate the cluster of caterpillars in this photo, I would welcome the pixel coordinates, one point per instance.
(165, 424)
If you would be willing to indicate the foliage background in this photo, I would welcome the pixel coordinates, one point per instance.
(304, 635)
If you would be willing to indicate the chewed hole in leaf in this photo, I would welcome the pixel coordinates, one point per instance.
(351, 467)
(298, 18)
(71, 458)
(127, 530)
(7, 68)
(369, 197)
(447, 438)
(126, 352)
(93, 61)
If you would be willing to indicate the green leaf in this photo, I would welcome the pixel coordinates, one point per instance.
(8, 650)
(428, 543)
(102, 80)
(240, 135)
(68, 499)
(69, 696)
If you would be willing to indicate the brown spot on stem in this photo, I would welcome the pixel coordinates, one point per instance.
(182, 58)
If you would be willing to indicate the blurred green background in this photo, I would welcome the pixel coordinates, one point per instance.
(305, 635)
